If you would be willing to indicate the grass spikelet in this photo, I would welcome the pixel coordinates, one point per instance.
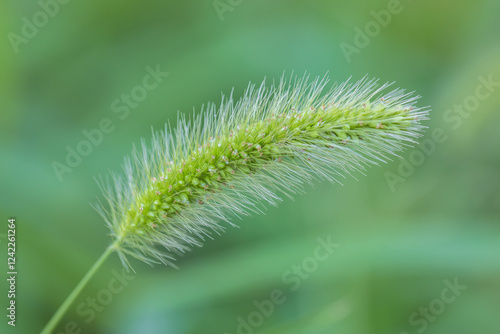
(234, 159)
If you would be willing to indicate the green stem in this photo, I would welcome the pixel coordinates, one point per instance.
(56, 318)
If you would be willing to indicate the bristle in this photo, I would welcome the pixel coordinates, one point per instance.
(234, 160)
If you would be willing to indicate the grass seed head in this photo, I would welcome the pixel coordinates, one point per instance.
(233, 159)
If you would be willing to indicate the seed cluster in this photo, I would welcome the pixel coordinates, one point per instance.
(231, 160)
(244, 150)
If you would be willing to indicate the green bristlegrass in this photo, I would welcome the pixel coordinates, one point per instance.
(230, 161)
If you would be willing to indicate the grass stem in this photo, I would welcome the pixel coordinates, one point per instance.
(56, 318)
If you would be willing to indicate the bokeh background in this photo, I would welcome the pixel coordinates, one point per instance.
(436, 221)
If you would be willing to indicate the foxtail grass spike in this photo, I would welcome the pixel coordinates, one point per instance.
(232, 160)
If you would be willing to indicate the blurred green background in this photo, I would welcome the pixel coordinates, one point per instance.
(399, 241)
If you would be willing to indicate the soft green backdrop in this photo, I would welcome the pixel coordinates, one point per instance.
(397, 244)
